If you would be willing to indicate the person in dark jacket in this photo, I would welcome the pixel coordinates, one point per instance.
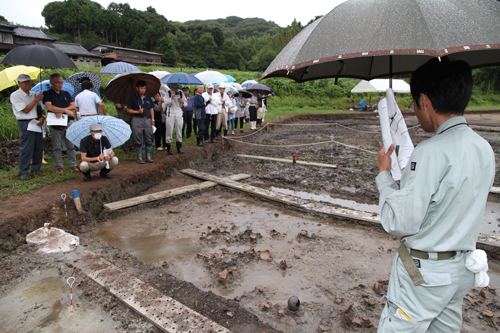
(187, 114)
(200, 115)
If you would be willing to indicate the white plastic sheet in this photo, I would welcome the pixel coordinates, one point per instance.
(52, 240)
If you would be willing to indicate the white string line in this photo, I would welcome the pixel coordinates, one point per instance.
(337, 124)
(244, 136)
(300, 145)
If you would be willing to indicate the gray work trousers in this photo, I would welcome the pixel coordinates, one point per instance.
(142, 131)
(171, 123)
(434, 306)
(58, 138)
(96, 166)
(222, 119)
(31, 146)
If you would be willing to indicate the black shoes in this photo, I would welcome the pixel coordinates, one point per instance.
(103, 174)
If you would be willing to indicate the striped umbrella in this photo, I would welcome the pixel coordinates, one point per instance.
(248, 82)
(75, 80)
(116, 130)
(119, 67)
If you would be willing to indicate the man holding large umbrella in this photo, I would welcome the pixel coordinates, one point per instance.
(437, 209)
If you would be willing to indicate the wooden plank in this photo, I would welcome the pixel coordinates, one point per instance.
(287, 199)
(163, 311)
(322, 165)
(166, 194)
(495, 190)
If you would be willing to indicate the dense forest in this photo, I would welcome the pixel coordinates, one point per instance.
(230, 43)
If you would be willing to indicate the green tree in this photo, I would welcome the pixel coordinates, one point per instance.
(166, 46)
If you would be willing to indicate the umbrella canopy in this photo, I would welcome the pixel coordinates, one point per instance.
(38, 56)
(229, 78)
(236, 85)
(248, 82)
(8, 77)
(231, 89)
(245, 93)
(261, 89)
(374, 38)
(45, 85)
(211, 77)
(181, 78)
(381, 85)
(159, 74)
(123, 86)
(75, 80)
(116, 130)
(118, 68)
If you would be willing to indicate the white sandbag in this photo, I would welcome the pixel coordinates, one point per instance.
(53, 240)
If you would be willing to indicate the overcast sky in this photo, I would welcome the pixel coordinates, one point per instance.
(282, 12)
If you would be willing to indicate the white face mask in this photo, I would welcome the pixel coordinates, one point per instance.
(97, 136)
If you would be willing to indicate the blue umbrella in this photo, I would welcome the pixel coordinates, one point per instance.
(116, 130)
(119, 67)
(181, 78)
(229, 78)
(248, 82)
(45, 85)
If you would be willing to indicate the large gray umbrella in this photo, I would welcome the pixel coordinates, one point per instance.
(375, 38)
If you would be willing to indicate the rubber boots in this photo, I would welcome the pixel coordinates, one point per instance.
(169, 149)
(148, 158)
(104, 173)
(138, 152)
(200, 143)
(87, 176)
(179, 147)
(225, 132)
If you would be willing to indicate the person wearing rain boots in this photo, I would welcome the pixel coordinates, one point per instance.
(254, 104)
(96, 153)
(211, 113)
(172, 107)
(222, 101)
(140, 106)
(200, 115)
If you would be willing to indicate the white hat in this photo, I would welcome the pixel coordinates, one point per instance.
(222, 86)
(23, 78)
(210, 86)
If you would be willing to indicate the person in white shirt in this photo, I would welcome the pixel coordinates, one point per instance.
(87, 100)
(211, 112)
(24, 105)
(172, 108)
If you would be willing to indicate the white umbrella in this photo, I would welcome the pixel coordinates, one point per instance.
(381, 85)
(211, 77)
(159, 74)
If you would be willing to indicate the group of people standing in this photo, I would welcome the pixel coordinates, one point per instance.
(209, 113)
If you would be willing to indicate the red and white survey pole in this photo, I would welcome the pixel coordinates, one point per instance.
(70, 282)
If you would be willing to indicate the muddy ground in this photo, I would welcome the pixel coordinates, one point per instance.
(223, 251)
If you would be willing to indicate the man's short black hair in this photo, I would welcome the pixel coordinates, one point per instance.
(140, 83)
(83, 79)
(52, 77)
(448, 84)
(87, 85)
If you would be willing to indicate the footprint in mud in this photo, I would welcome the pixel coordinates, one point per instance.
(53, 315)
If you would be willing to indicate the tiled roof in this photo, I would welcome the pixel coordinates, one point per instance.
(30, 32)
(75, 49)
(126, 49)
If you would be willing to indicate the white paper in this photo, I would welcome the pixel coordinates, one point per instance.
(107, 152)
(394, 131)
(154, 129)
(52, 120)
(33, 126)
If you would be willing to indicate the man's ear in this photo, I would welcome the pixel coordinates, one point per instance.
(425, 103)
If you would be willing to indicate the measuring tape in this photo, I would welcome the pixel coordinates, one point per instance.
(63, 196)
(71, 290)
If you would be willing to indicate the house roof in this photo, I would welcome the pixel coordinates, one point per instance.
(125, 49)
(75, 49)
(7, 25)
(31, 32)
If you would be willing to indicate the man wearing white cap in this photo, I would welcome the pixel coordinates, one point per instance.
(96, 153)
(211, 112)
(172, 108)
(24, 105)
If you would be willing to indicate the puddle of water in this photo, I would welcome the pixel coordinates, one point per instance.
(48, 287)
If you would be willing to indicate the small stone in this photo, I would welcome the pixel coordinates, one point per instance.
(164, 264)
(252, 236)
(376, 287)
(356, 321)
(364, 295)
(303, 233)
(347, 319)
(323, 328)
(281, 312)
(266, 307)
(276, 215)
(296, 256)
(370, 301)
(338, 300)
(272, 304)
(293, 303)
(365, 318)
(223, 274)
(489, 303)
(260, 289)
(482, 293)
(488, 313)
(230, 314)
(245, 294)
(161, 274)
(237, 298)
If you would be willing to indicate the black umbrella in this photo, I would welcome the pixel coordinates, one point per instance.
(122, 86)
(245, 93)
(38, 56)
(262, 89)
(368, 39)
